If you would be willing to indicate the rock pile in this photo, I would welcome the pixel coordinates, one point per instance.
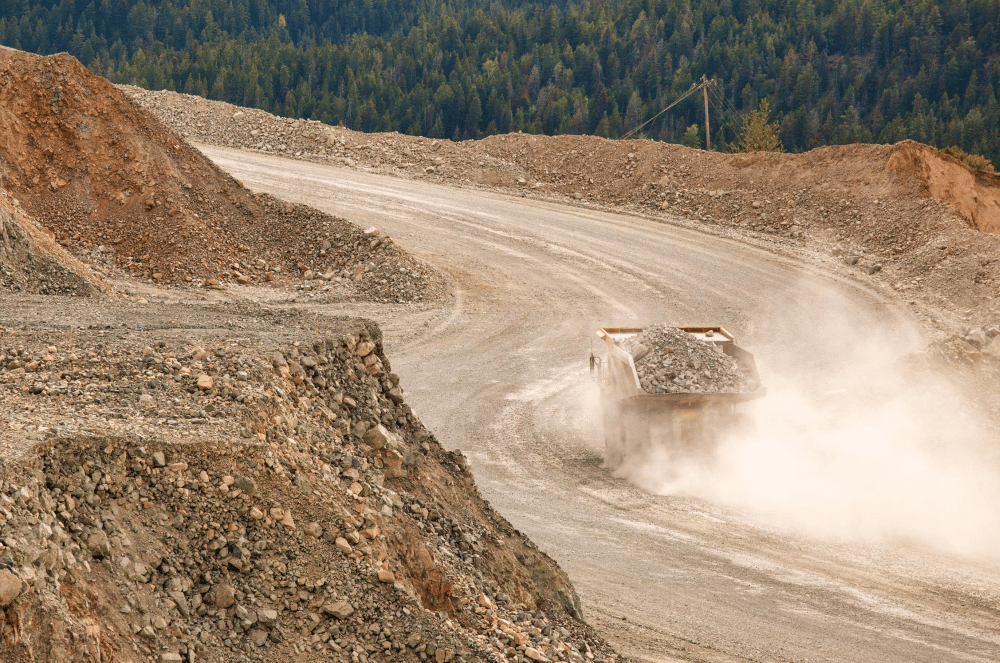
(162, 503)
(671, 361)
(118, 189)
(32, 262)
(972, 345)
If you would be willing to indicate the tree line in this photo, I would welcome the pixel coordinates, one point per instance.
(832, 71)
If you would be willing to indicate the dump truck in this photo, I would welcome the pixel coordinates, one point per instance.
(682, 426)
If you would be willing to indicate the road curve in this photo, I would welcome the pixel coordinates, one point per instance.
(499, 370)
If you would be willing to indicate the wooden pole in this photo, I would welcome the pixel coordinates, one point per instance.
(708, 131)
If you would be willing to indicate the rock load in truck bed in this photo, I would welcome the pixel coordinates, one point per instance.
(671, 361)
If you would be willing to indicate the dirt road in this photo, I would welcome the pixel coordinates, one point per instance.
(499, 370)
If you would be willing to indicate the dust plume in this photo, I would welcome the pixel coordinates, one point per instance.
(864, 443)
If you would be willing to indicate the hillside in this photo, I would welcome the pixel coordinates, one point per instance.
(219, 481)
(279, 515)
(834, 73)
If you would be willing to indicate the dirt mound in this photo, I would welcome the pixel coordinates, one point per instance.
(671, 361)
(105, 176)
(30, 261)
(946, 179)
(246, 503)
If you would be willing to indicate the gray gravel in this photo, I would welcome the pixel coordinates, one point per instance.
(671, 361)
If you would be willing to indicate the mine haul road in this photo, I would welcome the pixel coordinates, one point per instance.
(499, 370)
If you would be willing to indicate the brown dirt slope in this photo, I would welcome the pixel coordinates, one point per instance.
(943, 177)
(30, 261)
(99, 171)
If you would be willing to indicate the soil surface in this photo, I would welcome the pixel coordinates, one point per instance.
(203, 486)
(205, 471)
(30, 261)
(916, 216)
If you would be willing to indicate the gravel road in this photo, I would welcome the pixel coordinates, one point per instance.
(498, 370)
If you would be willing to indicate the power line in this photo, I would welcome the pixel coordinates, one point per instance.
(732, 114)
(728, 114)
(694, 88)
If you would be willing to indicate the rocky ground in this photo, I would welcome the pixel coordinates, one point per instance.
(213, 478)
(906, 217)
(671, 361)
(31, 262)
(259, 492)
(163, 501)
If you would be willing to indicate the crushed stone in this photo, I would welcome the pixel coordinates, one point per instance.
(132, 199)
(671, 361)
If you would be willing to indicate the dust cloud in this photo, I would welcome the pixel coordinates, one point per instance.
(865, 443)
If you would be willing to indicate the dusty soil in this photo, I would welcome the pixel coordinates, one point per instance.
(30, 261)
(501, 373)
(233, 486)
(974, 194)
(295, 490)
(120, 190)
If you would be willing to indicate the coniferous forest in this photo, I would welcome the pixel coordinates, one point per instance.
(833, 71)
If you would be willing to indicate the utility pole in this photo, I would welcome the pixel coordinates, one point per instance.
(708, 132)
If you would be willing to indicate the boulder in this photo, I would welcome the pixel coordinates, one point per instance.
(10, 588)
(377, 437)
(993, 348)
(99, 545)
(221, 596)
(339, 609)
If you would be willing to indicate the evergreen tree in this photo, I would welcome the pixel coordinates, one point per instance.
(692, 137)
(758, 134)
(835, 72)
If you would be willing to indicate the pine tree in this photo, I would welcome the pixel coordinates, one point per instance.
(759, 135)
(692, 137)
(633, 113)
